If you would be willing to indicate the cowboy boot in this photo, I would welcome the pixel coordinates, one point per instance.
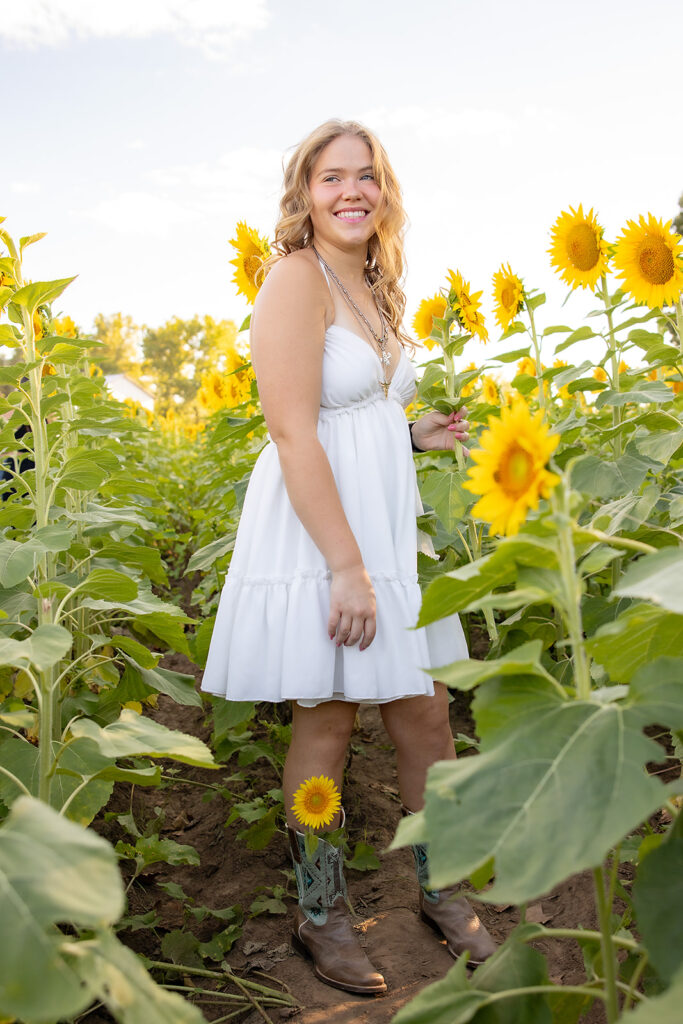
(322, 929)
(450, 915)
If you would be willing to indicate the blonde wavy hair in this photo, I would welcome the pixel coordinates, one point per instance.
(385, 262)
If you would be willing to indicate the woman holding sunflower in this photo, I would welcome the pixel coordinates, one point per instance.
(322, 594)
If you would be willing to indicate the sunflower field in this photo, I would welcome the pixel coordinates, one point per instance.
(558, 538)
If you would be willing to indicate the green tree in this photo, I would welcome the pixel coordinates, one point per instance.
(180, 351)
(121, 343)
(678, 220)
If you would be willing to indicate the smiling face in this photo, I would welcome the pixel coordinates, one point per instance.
(345, 196)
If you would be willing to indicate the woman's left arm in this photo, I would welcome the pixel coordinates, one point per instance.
(436, 431)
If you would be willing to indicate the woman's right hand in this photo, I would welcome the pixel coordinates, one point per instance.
(353, 614)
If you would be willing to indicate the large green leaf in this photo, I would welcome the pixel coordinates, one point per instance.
(203, 558)
(468, 673)
(637, 636)
(593, 475)
(110, 586)
(135, 735)
(662, 1009)
(644, 393)
(655, 578)
(443, 490)
(658, 899)
(45, 647)
(490, 996)
(177, 685)
(115, 976)
(553, 792)
(147, 559)
(17, 561)
(33, 295)
(51, 871)
(463, 587)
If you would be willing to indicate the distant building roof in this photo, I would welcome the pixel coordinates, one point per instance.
(122, 387)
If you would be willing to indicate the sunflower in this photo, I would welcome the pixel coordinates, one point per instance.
(423, 321)
(600, 375)
(527, 365)
(37, 326)
(316, 801)
(252, 249)
(675, 381)
(508, 296)
(579, 251)
(623, 367)
(649, 256)
(489, 390)
(511, 474)
(213, 393)
(466, 305)
(65, 327)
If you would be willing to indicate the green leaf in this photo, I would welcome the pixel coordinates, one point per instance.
(637, 636)
(155, 850)
(258, 835)
(83, 474)
(203, 558)
(199, 644)
(245, 324)
(115, 976)
(443, 490)
(582, 334)
(147, 559)
(229, 713)
(109, 585)
(463, 587)
(661, 1009)
(660, 446)
(514, 799)
(51, 871)
(33, 295)
(44, 648)
(518, 353)
(655, 578)
(137, 651)
(17, 561)
(468, 673)
(134, 735)
(457, 1000)
(593, 475)
(364, 858)
(180, 686)
(30, 239)
(643, 394)
(658, 899)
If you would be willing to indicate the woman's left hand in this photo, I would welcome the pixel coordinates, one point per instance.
(436, 431)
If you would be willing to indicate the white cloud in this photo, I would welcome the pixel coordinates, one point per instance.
(210, 25)
(140, 213)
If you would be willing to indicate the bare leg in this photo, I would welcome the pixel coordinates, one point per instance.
(320, 739)
(420, 730)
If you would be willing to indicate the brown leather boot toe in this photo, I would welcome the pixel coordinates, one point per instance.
(452, 917)
(338, 959)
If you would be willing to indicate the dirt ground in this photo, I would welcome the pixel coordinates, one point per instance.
(405, 950)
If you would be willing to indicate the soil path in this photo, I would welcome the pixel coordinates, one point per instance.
(402, 948)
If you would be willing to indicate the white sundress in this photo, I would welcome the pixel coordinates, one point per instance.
(270, 640)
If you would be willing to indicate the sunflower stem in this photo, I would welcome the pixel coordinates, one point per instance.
(607, 947)
(537, 353)
(614, 358)
(679, 324)
(572, 591)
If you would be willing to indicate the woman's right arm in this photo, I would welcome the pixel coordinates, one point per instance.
(287, 343)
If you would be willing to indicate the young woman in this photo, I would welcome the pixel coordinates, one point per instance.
(322, 593)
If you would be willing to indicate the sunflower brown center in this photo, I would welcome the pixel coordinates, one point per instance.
(655, 260)
(507, 296)
(251, 266)
(515, 472)
(582, 247)
(315, 801)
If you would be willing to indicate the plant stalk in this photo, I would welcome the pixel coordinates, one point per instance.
(607, 946)
(572, 593)
(537, 355)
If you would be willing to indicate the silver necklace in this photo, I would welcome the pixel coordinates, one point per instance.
(381, 341)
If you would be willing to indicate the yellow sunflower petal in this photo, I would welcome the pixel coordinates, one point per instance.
(649, 256)
(579, 252)
(423, 321)
(252, 249)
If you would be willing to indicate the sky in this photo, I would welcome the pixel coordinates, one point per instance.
(138, 133)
